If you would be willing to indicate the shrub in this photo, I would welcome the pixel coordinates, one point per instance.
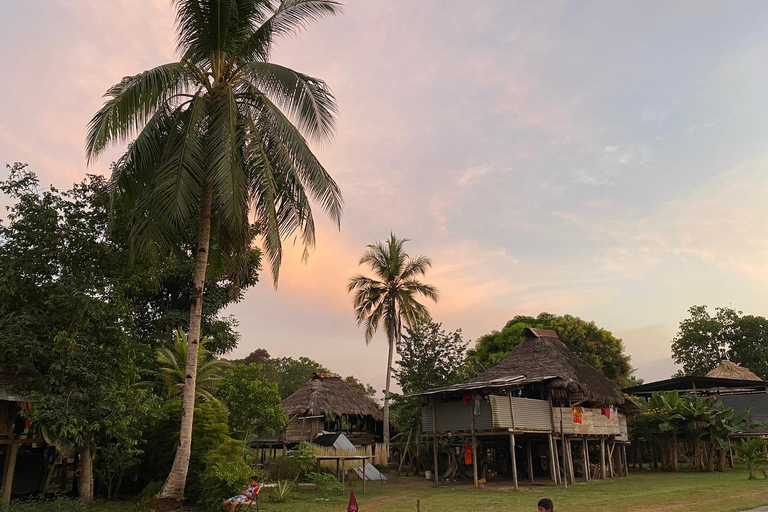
(326, 483)
(225, 475)
(282, 491)
(304, 455)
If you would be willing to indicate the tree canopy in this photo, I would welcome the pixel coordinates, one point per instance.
(704, 340)
(595, 345)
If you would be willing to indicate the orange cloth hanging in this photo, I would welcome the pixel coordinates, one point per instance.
(577, 414)
(468, 454)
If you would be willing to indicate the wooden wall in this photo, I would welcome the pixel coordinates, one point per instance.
(592, 423)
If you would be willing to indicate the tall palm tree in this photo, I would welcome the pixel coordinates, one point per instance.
(220, 141)
(390, 298)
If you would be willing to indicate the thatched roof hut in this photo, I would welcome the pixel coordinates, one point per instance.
(543, 355)
(327, 393)
(728, 370)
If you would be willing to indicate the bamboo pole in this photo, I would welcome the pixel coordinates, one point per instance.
(474, 441)
(407, 444)
(557, 462)
(602, 459)
(514, 459)
(552, 460)
(530, 462)
(585, 449)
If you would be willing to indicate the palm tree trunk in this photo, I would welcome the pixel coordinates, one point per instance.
(85, 478)
(173, 489)
(386, 392)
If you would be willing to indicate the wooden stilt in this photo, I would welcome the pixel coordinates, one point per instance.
(514, 459)
(569, 451)
(434, 441)
(610, 459)
(474, 441)
(8, 470)
(585, 449)
(408, 442)
(626, 462)
(530, 461)
(552, 458)
(602, 459)
(557, 462)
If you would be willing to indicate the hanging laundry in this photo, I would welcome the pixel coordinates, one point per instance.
(477, 406)
(468, 454)
(466, 399)
(578, 413)
(607, 412)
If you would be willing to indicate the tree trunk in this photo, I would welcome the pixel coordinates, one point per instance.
(675, 466)
(85, 478)
(698, 461)
(710, 457)
(173, 489)
(386, 392)
(721, 460)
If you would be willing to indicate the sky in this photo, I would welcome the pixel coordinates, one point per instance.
(602, 159)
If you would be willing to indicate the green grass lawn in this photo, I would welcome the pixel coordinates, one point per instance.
(641, 492)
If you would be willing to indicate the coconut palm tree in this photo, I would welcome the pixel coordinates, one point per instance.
(390, 298)
(217, 139)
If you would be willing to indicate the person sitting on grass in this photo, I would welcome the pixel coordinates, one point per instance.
(546, 505)
(247, 495)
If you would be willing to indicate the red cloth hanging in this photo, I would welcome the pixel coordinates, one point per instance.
(352, 507)
(607, 412)
(468, 454)
(466, 399)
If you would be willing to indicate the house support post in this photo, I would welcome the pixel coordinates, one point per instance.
(610, 459)
(530, 461)
(474, 442)
(552, 459)
(571, 470)
(585, 450)
(8, 470)
(514, 459)
(558, 475)
(626, 462)
(434, 440)
(602, 459)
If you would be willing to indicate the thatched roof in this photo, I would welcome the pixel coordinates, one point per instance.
(542, 354)
(729, 370)
(327, 393)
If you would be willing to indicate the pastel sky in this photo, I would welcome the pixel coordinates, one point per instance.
(603, 159)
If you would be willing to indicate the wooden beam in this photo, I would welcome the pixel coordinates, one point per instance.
(610, 459)
(474, 440)
(602, 459)
(569, 451)
(557, 462)
(585, 449)
(626, 462)
(8, 470)
(530, 462)
(552, 460)
(434, 441)
(407, 444)
(514, 459)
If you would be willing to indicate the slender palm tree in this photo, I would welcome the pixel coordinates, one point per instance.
(217, 140)
(390, 298)
(172, 364)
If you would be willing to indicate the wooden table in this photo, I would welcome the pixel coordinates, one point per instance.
(342, 459)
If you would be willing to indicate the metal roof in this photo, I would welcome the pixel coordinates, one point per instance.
(502, 383)
(689, 383)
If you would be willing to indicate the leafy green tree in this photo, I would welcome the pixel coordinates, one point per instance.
(704, 340)
(390, 298)
(595, 345)
(64, 320)
(258, 356)
(364, 389)
(220, 136)
(429, 358)
(291, 373)
(252, 400)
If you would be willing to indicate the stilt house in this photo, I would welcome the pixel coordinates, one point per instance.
(539, 414)
(328, 404)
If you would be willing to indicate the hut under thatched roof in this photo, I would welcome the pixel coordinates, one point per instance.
(729, 370)
(328, 404)
(326, 394)
(542, 355)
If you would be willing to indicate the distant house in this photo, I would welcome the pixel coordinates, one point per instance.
(328, 404)
(511, 419)
(22, 453)
(736, 387)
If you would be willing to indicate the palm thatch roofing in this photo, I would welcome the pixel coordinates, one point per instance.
(728, 370)
(543, 355)
(327, 393)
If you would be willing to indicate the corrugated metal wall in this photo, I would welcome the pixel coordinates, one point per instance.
(530, 414)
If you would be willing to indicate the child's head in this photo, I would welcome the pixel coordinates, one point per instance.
(546, 505)
(254, 480)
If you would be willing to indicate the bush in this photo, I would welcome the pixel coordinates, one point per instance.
(225, 475)
(326, 483)
(282, 491)
(304, 455)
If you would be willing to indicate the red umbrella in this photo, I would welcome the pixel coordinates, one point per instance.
(352, 507)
